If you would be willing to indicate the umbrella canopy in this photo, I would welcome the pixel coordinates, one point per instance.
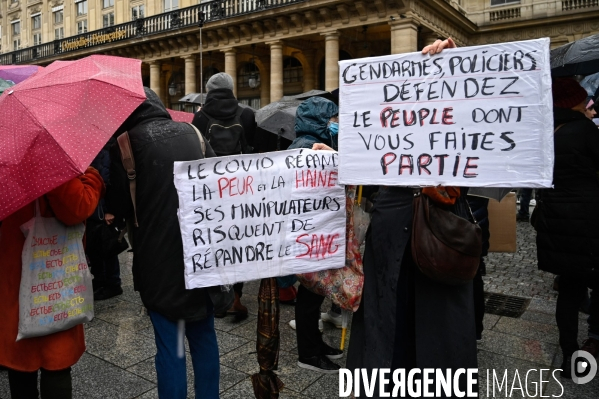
(194, 98)
(53, 124)
(180, 116)
(279, 118)
(496, 193)
(311, 93)
(576, 58)
(5, 84)
(18, 73)
(591, 84)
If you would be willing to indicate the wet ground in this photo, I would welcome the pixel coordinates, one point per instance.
(119, 361)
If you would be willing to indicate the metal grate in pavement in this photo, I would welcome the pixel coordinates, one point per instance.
(505, 305)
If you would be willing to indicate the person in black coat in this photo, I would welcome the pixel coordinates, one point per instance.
(567, 234)
(222, 105)
(405, 319)
(158, 269)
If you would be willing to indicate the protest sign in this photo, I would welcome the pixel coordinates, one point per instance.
(248, 217)
(475, 116)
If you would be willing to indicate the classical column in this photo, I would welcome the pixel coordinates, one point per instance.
(429, 38)
(331, 80)
(264, 85)
(309, 70)
(276, 70)
(190, 73)
(231, 66)
(155, 68)
(404, 36)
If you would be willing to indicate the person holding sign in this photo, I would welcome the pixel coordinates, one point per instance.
(316, 122)
(567, 237)
(53, 355)
(406, 320)
(157, 142)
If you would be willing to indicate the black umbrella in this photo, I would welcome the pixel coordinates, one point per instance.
(279, 118)
(312, 93)
(576, 58)
(194, 98)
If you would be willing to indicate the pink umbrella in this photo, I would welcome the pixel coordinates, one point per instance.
(18, 73)
(180, 116)
(53, 124)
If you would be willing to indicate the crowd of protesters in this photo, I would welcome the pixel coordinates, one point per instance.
(418, 323)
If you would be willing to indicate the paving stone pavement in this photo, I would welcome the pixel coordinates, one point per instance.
(118, 362)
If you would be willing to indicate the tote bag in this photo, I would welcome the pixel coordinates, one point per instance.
(56, 285)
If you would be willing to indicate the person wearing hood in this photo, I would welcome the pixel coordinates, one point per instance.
(316, 121)
(221, 105)
(158, 269)
(568, 213)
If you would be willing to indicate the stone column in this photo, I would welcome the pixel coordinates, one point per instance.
(264, 85)
(309, 70)
(331, 68)
(429, 38)
(404, 36)
(190, 73)
(231, 66)
(276, 70)
(155, 68)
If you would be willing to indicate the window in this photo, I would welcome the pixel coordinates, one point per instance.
(59, 33)
(292, 70)
(16, 44)
(82, 26)
(58, 17)
(502, 2)
(37, 39)
(82, 8)
(170, 5)
(36, 22)
(16, 28)
(108, 19)
(107, 3)
(248, 71)
(137, 12)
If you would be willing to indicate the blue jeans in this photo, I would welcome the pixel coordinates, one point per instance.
(593, 319)
(171, 370)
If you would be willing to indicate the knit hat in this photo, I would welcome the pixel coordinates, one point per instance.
(567, 93)
(220, 81)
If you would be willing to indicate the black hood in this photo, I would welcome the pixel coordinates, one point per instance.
(565, 115)
(149, 110)
(220, 103)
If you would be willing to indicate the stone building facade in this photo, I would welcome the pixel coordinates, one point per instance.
(270, 47)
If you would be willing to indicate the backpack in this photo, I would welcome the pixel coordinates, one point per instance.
(226, 137)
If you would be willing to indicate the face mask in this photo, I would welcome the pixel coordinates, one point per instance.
(334, 128)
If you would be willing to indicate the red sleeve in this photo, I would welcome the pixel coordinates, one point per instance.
(75, 200)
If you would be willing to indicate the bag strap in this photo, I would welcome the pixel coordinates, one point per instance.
(202, 141)
(558, 128)
(129, 165)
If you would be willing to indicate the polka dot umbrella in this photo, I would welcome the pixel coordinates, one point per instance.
(53, 124)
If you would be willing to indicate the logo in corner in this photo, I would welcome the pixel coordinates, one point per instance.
(583, 368)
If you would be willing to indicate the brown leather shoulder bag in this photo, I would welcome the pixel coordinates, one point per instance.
(446, 247)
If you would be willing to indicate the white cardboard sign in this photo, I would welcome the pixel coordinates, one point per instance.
(475, 116)
(254, 216)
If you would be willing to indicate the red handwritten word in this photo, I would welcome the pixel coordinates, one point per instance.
(315, 178)
(319, 246)
(235, 186)
(44, 240)
(46, 286)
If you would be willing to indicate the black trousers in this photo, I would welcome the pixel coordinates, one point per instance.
(53, 384)
(572, 292)
(307, 314)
